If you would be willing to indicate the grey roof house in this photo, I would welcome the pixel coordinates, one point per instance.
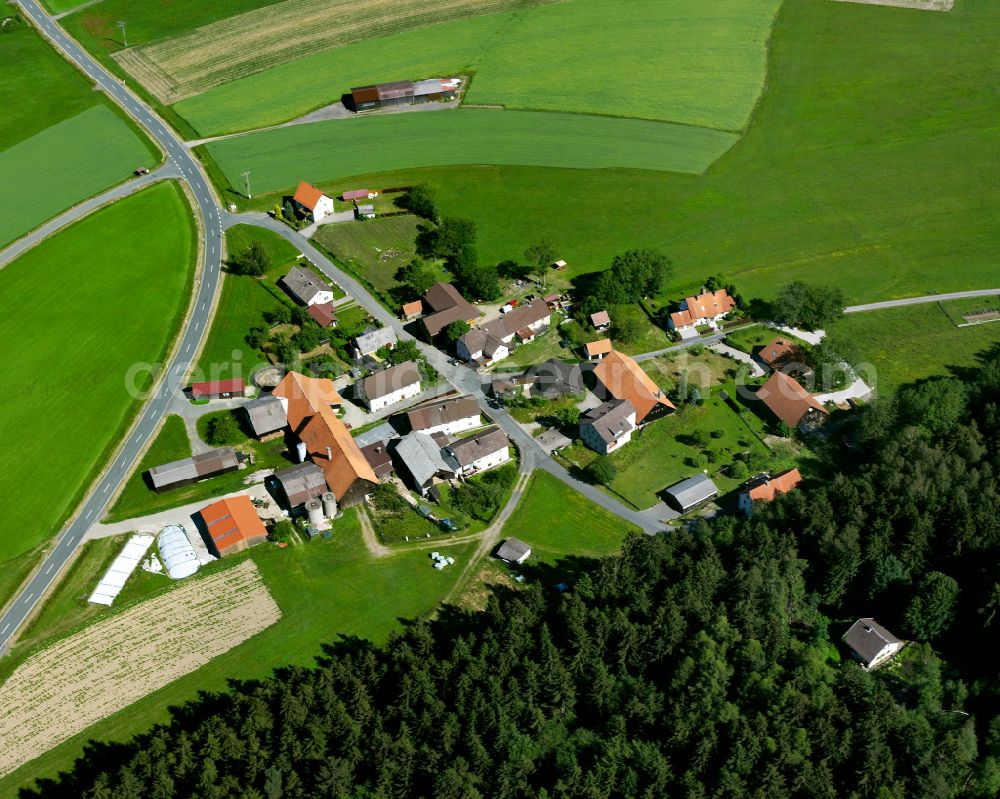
(448, 416)
(608, 426)
(190, 470)
(514, 550)
(871, 643)
(555, 378)
(419, 456)
(301, 482)
(690, 493)
(373, 339)
(303, 285)
(267, 416)
(484, 450)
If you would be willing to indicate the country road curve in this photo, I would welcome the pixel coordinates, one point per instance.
(186, 346)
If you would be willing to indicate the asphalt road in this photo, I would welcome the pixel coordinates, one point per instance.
(189, 171)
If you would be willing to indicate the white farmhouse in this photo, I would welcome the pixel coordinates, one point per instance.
(609, 426)
(312, 201)
(871, 643)
(445, 416)
(484, 450)
(493, 341)
(389, 386)
(302, 285)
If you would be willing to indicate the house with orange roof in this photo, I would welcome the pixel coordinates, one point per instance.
(707, 308)
(597, 350)
(764, 488)
(789, 401)
(233, 525)
(623, 379)
(305, 396)
(312, 202)
(331, 447)
(779, 352)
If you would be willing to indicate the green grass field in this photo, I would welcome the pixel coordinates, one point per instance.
(122, 278)
(688, 61)
(42, 90)
(64, 164)
(322, 151)
(573, 524)
(325, 589)
(911, 343)
(870, 164)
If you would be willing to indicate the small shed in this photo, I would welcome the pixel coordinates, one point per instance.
(559, 265)
(688, 494)
(600, 320)
(514, 550)
(366, 211)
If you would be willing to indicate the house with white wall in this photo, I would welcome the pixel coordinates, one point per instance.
(708, 308)
(494, 340)
(448, 416)
(608, 427)
(389, 386)
(485, 450)
(312, 201)
(305, 287)
(871, 643)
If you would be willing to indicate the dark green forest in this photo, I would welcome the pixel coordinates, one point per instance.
(703, 663)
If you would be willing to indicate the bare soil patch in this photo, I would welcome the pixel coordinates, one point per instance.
(107, 666)
(922, 5)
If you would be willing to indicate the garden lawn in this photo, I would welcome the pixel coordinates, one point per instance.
(64, 164)
(325, 589)
(655, 459)
(710, 73)
(915, 342)
(373, 249)
(128, 269)
(556, 521)
(322, 151)
(871, 164)
(242, 305)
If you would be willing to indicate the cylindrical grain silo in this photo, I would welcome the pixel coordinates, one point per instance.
(329, 505)
(302, 451)
(315, 510)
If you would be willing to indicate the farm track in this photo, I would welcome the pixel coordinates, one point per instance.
(106, 666)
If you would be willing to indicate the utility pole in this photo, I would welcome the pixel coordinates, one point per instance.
(246, 182)
(121, 24)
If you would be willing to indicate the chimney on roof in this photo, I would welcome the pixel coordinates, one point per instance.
(329, 453)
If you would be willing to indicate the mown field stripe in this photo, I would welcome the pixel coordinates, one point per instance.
(321, 151)
(64, 164)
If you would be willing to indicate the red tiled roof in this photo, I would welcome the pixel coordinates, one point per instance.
(307, 195)
(413, 308)
(599, 347)
(781, 484)
(357, 194)
(232, 521)
(325, 314)
(787, 400)
(233, 386)
(779, 350)
(306, 396)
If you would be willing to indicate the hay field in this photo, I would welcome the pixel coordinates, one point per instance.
(64, 164)
(279, 158)
(683, 61)
(256, 40)
(109, 665)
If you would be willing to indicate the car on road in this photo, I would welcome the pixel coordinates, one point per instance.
(142, 171)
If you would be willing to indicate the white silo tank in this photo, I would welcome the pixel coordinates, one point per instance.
(315, 510)
(329, 504)
(302, 451)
